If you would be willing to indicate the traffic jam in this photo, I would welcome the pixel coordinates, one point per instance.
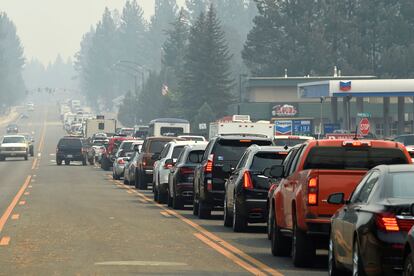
(345, 195)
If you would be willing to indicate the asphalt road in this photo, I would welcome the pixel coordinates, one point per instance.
(75, 220)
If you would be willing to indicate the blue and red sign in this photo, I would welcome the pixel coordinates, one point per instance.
(283, 128)
(345, 85)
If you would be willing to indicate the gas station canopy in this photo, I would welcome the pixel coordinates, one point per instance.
(357, 88)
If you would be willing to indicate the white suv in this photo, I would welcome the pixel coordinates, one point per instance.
(14, 146)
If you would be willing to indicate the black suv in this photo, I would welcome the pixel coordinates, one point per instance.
(221, 156)
(247, 187)
(71, 149)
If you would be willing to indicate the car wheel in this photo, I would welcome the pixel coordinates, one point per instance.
(227, 219)
(115, 176)
(26, 157)
(177, 202)
(333, 269)
(204, 210)
(126, 182)
(58, 162)
(357, 267)
(280, 245)
(162, 198)
(84, 161)
(408, 265)
(92, 161)
(67, 162)
(269, 223)
(155, 191)
(142, 184)
(303, 251)
(169, 199)
(195, 205)
(239, 221)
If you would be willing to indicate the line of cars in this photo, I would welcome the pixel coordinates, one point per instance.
(352, 197)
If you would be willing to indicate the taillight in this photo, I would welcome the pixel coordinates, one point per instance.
(313, 191)
(121, 161)
(247, 181)
(387, 222)
(208, 168)
(168, 166)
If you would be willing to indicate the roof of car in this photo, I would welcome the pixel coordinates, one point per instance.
(396, 168)
(339, 143)
(169, 120)
(14, 135)
(164, 138)
(242, 136)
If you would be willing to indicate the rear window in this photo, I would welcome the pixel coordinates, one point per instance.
(176, 152)
(334, 158)
(195, 156)
(70, 143)
(157, 146)
(232, 150)
(126, 145)
(171, 131)
(263, 160)
(400, 186)
(289, 142)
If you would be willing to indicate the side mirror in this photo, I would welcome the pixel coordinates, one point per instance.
(169, 162)
(126, 159)
(227, 168)
(277, 171)
(337, 199)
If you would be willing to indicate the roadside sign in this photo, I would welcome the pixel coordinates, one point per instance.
(283, 127)
(364, 115)
(202, 126)
(364, 126)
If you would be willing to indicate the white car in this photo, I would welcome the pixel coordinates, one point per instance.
(14, 146)
(172, 150)
(197, 138)
(126, 148)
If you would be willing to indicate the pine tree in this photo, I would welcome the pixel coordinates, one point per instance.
(206, 75)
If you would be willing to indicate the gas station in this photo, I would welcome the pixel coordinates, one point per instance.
(379, 91)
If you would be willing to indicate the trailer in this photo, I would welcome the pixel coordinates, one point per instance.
(241, 124)
(99, 125)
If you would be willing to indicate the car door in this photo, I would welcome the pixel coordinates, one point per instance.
(234, 178)
(353, 211)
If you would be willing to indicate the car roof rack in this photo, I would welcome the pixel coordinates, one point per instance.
(244, 135)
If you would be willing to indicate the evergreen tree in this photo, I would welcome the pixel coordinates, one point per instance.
(206, 75)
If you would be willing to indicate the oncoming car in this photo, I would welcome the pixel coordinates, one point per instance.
(14, 146)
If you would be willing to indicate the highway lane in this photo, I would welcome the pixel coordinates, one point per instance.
(77, 220)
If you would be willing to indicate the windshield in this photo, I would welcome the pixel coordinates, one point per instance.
(11, 140)
(352, 158)
(157, 146)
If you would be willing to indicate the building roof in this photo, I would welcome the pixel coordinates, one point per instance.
(294, 81)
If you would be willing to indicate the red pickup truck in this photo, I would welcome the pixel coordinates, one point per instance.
(299, 213)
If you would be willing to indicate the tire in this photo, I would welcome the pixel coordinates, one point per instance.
(333, 269)
(269, 224)
(126, 182)
(140, 181)
(279, 244)
(58, 162)
(84, 162)
(357, 267)
(31, 152)
(67, 162)
(204, 210)
(303, 251)
(195, 206)
(239, 221)
(26, 157)
(408, 265)
(169, 200)
(227, 219)
(91, 161)
(162, 197)
(115, 176)
(177, 202)
(155, 191)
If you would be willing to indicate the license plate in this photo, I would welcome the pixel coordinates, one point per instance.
(69, 156)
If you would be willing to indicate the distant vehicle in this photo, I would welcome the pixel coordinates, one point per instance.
(369, 232)
(75, 105)
(151, 150)
(162, 169)
(141, 132)
(14, 146)
(289, 141)
(310, 173)
(126, 131)
(196, 138)
(209, 177)
(181, 176)
(30, 106)
(168, 127)
(125, 150)
(71, 149)
(108, 156)
(24, 116)
(241, 124)
(246, 189)
(408, 141)
(30, 141)
(12, 128)
(93, 127)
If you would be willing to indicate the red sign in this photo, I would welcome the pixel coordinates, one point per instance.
(285, 110)
(364, 126)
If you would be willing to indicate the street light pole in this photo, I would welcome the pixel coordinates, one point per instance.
(321, 118)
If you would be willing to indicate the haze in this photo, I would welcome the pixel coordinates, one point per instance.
(51, 27)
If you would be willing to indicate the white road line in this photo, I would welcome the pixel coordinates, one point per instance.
(39, 154)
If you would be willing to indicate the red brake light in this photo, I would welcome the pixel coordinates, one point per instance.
(356, 143)
(121, 161)
(247, 181)
(387, 222)
(168, 166)
(313, 191)
(208, 168)
(245, 141)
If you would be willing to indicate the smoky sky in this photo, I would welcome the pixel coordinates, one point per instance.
(51, 27)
